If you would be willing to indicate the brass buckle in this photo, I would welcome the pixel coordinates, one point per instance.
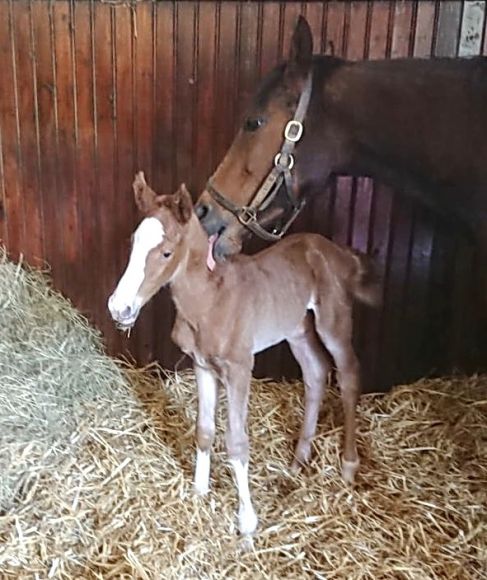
(293, 131)
(247, 215)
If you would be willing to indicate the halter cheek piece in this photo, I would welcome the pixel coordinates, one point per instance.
(281, 172)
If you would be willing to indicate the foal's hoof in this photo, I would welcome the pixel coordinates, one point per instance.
(302, 455)
(349, 469)
(201, 490)
(246, 544)
(296, 466)
(247, 522)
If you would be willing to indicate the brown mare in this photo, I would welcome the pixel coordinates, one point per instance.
(300, 290)
(417, 125)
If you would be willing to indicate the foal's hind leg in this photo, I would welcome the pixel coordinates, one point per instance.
(315, 365)
(335, 330)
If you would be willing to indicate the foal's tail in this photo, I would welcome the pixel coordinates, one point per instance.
(366, 283)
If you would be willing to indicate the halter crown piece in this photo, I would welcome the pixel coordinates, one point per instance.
(281, 172)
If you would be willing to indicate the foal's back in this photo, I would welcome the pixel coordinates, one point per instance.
(269, 294)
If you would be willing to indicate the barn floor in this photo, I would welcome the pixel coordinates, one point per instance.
(121, 505)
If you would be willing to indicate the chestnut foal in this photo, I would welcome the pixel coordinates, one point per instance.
(300, 290)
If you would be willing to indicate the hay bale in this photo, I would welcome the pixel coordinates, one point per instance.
(52, 370)
(120, 504)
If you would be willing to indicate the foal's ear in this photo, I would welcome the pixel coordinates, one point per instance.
(145, 198)
(182, 204)
(301, 51)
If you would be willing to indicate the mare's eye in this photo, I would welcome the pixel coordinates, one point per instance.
(166, 254)
(252, 124)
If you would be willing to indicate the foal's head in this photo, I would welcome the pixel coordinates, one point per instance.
(159, 245)
(255, 147)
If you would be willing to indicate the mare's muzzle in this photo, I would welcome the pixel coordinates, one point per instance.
(214, 221)
(210, 216)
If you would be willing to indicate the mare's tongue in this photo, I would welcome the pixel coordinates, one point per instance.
(210, 262)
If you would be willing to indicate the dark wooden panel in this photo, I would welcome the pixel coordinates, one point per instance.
(205, 111)
(104, 142)
(359, 20)
(164, 154)
(123, 212)
(67, 203)
(448, 28)
(425, 23)
(403, 30)
(24, 63)
(185, 26)
(93, 91)
(225, 96)
(143, 72)
(46, 114)
(248, 48)
(335, 31)
(9, 115)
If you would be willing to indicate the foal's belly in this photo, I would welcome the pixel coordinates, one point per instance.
(272, 332)
(266, 341)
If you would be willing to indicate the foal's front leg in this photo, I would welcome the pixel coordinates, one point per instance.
(237, 383)
(205, 426)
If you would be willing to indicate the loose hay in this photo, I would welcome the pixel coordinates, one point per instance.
(117, 501)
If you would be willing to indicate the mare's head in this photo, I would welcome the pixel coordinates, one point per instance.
(159, 246)
(254, 154)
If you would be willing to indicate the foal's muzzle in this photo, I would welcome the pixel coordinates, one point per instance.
(124, 315)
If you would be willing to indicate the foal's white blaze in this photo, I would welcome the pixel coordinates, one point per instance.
(147, 236)
(247, 518)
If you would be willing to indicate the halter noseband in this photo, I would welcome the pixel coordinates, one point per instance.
(281, 172)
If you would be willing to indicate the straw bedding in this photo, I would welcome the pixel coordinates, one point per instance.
(97, 460)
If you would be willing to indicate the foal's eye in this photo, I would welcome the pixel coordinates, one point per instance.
(252, 124)
(166, 254)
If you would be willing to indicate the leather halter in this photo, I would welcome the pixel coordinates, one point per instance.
(281, 172)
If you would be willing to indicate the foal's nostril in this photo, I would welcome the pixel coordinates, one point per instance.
(126, 312)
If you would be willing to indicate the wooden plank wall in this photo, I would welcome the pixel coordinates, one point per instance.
(91, 91)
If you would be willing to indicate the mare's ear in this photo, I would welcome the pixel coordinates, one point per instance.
(301, 52)
(181, 204)
(145, 198)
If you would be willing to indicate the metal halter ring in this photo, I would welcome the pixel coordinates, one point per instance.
(247, 215)
(293, 131)
(277, 161)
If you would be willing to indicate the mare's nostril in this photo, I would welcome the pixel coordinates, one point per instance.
(202, 210)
